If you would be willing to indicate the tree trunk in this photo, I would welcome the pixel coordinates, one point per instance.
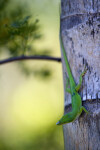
(80, 29)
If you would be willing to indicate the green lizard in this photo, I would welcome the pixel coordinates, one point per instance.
(77, 107)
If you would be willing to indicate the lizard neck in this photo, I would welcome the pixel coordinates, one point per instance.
(71, 79)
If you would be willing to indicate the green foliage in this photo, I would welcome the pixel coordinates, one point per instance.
(42, 73)
(21, 33)
(18, 33)
(3, 3)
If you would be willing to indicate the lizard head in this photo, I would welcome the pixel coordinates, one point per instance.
(65, 119)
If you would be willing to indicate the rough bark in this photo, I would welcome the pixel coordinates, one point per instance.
(80, 29)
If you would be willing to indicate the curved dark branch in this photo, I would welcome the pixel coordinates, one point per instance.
(20, 58)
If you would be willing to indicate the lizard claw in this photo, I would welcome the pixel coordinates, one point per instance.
(84, 72)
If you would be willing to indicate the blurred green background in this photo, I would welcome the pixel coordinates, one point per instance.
(31, 105)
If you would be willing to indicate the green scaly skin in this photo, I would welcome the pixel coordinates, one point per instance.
(77, 107)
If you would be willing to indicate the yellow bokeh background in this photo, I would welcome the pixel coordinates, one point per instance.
(30, 107)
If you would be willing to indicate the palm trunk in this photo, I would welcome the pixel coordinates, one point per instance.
(80, 29)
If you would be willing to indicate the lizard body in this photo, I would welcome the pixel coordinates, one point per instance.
(76, 101)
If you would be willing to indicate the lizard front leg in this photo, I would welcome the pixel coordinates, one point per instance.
(81, 109)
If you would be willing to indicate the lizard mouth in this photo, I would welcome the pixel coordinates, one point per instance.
(58, 123)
